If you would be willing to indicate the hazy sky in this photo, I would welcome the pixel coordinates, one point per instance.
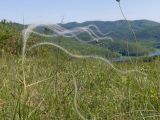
(77, 10)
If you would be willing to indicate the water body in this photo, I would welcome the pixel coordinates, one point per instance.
(125, 58)
(155, 53)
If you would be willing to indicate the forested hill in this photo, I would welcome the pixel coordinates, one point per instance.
(148, 34)
(145, 29)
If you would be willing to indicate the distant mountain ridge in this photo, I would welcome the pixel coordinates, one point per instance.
(119, 30)
(144, 29)
(148, 34)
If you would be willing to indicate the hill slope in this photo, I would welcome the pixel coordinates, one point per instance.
(145, 30)
(119, 29)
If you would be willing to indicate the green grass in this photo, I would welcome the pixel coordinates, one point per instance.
(103, 93)
(77, 47)
(50, 75)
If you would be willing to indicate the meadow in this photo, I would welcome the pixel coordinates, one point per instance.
(61, 87)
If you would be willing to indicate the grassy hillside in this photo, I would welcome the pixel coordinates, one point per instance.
(52, 85)
(77, 47)
(103, 93)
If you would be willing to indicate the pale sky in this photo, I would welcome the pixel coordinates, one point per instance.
(77, 10)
